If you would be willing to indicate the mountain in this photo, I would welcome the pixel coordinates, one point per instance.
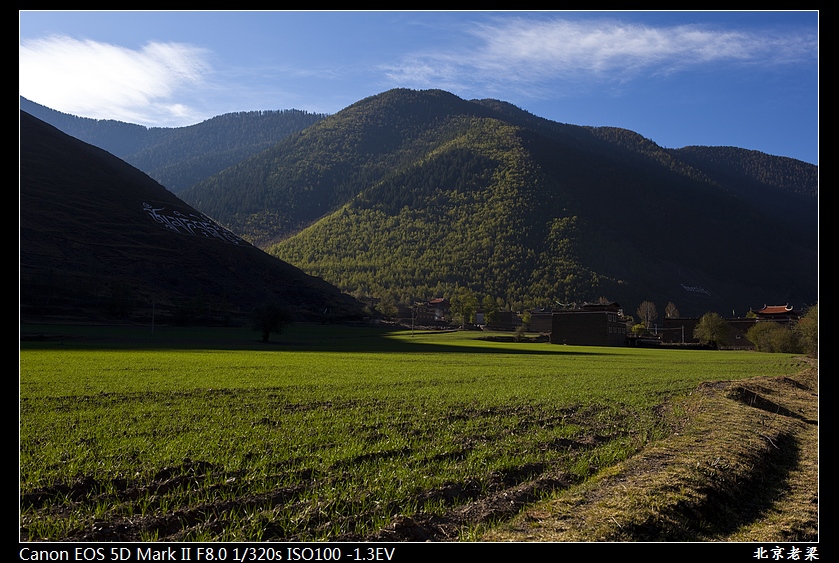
(417, 193)
(181, 156)
(101, 239)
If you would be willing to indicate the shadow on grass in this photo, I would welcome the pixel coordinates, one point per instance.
(298, 337)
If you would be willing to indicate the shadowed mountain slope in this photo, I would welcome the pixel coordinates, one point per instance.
(100, 239)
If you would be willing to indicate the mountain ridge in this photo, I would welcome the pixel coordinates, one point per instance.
(566, 177)
(178, 157)
(416, 193)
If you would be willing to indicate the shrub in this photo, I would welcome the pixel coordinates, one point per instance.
(773, 337)
(808, 331)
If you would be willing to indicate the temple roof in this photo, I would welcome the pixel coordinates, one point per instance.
(777, 310)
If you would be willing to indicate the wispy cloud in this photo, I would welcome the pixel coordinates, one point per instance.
(105, 81)
(524, 52)
(514, 58)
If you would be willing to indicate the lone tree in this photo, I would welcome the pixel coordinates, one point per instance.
(270, 318)
(647, 312)
(713, 330)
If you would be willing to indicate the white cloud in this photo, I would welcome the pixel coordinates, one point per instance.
(105, 81)
(521, 51)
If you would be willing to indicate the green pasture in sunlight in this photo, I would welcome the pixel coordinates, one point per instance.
(325, 432)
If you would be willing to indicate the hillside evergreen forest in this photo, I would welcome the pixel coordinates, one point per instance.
(410, 195)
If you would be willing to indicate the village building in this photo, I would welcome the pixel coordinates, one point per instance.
(591, 324)
(541, 320)
(433, 312)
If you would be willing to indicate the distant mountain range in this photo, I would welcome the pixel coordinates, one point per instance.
(99, 239)
(181, 156)
(413, 194)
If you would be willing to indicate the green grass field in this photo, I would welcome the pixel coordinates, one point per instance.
(326, 432)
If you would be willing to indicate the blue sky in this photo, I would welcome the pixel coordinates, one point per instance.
(746, 79)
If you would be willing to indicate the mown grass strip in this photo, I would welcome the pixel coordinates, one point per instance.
(743, 467)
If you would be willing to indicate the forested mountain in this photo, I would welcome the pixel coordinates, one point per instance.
(100, 239)
(181, 156)
(412, 194)
(417, 193)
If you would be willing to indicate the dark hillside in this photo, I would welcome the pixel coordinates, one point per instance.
(783, 187)
(100, 239)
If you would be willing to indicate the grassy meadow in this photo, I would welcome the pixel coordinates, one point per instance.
(327, 432)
